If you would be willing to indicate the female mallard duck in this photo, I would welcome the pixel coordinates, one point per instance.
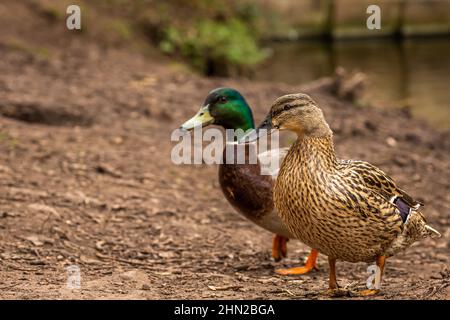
(349, 210)
(249, 192)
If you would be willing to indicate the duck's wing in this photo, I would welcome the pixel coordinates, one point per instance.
(387, 208)
(270, 161)
(364, 174)
(377, 180)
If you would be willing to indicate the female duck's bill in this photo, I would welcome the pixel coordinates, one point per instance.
(266, 128)
(201, 119)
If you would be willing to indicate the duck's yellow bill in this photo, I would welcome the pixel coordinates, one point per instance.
(201, 119)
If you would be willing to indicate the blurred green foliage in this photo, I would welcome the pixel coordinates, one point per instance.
(7, 140)
(38, 53)
(222, 37)
(214, 47)
(216, 37)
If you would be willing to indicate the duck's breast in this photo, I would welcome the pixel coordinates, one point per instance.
(317, 214)
(251, 194)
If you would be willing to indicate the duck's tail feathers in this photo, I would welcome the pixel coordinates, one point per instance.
(415, 229)
(433, 233)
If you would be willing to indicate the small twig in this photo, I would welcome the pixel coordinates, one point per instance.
(435, 290)
(224, 288)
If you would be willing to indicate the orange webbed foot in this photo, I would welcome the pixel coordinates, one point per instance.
(293, 271)
(368, 293)
(311, 263)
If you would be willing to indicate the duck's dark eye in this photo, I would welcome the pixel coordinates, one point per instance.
(287, 107)
(223, 99)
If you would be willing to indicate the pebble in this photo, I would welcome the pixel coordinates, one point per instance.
(391, 142)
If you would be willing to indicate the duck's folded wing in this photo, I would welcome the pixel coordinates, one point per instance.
(361, 206)
(371, 177)
(270, 161)
(366, 175)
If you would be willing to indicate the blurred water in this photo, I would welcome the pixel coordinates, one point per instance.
(415, 72)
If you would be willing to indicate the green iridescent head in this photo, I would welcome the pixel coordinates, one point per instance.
(224, 107)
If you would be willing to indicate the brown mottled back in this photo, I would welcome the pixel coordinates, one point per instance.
(344, 209)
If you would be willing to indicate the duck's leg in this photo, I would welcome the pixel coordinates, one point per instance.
(279, 247)
(333, 287)
(381, 261)
(332, 284)
(309, 265)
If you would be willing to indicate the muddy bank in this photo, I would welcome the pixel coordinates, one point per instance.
(86, 179)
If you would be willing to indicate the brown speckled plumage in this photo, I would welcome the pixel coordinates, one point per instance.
(243, 183)
(343, 208)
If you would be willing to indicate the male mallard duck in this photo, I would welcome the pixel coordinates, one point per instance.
(346, 209)
(249, 192)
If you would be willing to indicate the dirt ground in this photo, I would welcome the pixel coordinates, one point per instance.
(86, 179)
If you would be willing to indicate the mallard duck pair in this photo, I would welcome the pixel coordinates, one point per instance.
(348, 210)
(249, 192)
